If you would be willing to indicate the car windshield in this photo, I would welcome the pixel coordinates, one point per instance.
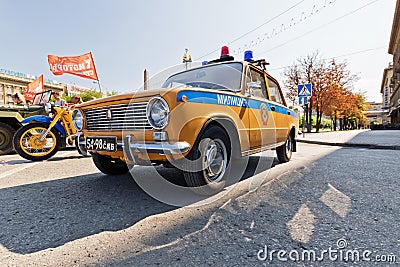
(226, 76)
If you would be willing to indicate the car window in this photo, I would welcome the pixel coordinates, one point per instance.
(255, 83)
(219, 76)
(275, 92)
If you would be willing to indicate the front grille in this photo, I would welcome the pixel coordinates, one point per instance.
(130, 116)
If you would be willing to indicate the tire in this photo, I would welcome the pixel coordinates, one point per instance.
(6, 137)
(109, 165)
(27, 144)
(207, 166)
(285, 151)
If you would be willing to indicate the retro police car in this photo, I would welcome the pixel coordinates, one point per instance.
(198, 120)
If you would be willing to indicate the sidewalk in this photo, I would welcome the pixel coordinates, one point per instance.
(379, 139)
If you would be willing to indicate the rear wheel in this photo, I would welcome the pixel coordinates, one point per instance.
(109, 165)
(28, 145)
(284, 152)
(207, 166)
(6, 137)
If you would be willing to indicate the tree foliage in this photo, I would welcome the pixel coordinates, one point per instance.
(85, 96)
(332, 90)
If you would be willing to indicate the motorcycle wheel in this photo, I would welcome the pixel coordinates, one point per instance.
(28, 145)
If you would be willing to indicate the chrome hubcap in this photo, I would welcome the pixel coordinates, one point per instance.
(215, 159)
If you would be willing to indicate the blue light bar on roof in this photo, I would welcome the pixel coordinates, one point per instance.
(248, 55)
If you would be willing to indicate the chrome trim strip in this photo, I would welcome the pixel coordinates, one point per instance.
(260, 149)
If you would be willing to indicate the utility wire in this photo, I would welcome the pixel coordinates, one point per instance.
(253, 30)
(345, 55)
(322, 26)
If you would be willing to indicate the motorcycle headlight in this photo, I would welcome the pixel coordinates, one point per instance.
(77, 119)
(157, 113)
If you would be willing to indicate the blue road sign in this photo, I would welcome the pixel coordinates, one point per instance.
(303, 100)
(304, 89)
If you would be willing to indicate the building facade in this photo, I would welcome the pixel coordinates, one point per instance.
(394, 49)
(386, 91)
(12, 82)
(375, 113)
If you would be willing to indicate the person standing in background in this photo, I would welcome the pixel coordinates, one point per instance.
(18, 99)
(59, 102)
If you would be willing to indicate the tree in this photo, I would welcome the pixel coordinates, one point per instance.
(336, 84)
(294, 78)
(332, 84)
(305, 70)
(85, 96)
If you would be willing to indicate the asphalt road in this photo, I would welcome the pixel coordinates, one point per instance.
(63, 212)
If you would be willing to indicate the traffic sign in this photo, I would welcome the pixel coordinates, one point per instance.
(303, 100)
(304, 90)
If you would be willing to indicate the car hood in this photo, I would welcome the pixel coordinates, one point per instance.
(139, 96)
(134, 96)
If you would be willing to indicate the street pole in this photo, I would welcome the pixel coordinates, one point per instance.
(304, 117)
(98, 82)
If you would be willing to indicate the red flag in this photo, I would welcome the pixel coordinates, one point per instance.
(35, 87)
(82, 66)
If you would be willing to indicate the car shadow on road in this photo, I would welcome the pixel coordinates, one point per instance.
(342, 196)
(38, 216)
(245, 168)
(43, 215)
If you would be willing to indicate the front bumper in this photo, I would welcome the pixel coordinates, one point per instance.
(131, 148)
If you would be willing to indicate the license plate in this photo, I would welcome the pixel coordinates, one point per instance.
(108, 144)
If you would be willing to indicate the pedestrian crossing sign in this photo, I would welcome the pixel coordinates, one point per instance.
(304, 90)
(303, 100)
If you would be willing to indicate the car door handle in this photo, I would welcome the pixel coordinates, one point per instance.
(273, 108)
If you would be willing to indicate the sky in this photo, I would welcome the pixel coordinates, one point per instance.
(126, 37)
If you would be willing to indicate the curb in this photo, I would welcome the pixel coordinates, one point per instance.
(369, 146)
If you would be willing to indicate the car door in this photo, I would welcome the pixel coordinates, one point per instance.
(261, 130)
(280, 113)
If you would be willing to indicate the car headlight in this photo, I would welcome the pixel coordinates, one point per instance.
(77, 119)
(158, 113)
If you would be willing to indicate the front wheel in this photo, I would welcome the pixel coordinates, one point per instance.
(207, 166)
(109, 165)
(28, 145)
(284, 152)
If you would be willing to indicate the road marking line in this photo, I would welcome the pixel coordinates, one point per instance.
(8, 156)
(13, 171)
